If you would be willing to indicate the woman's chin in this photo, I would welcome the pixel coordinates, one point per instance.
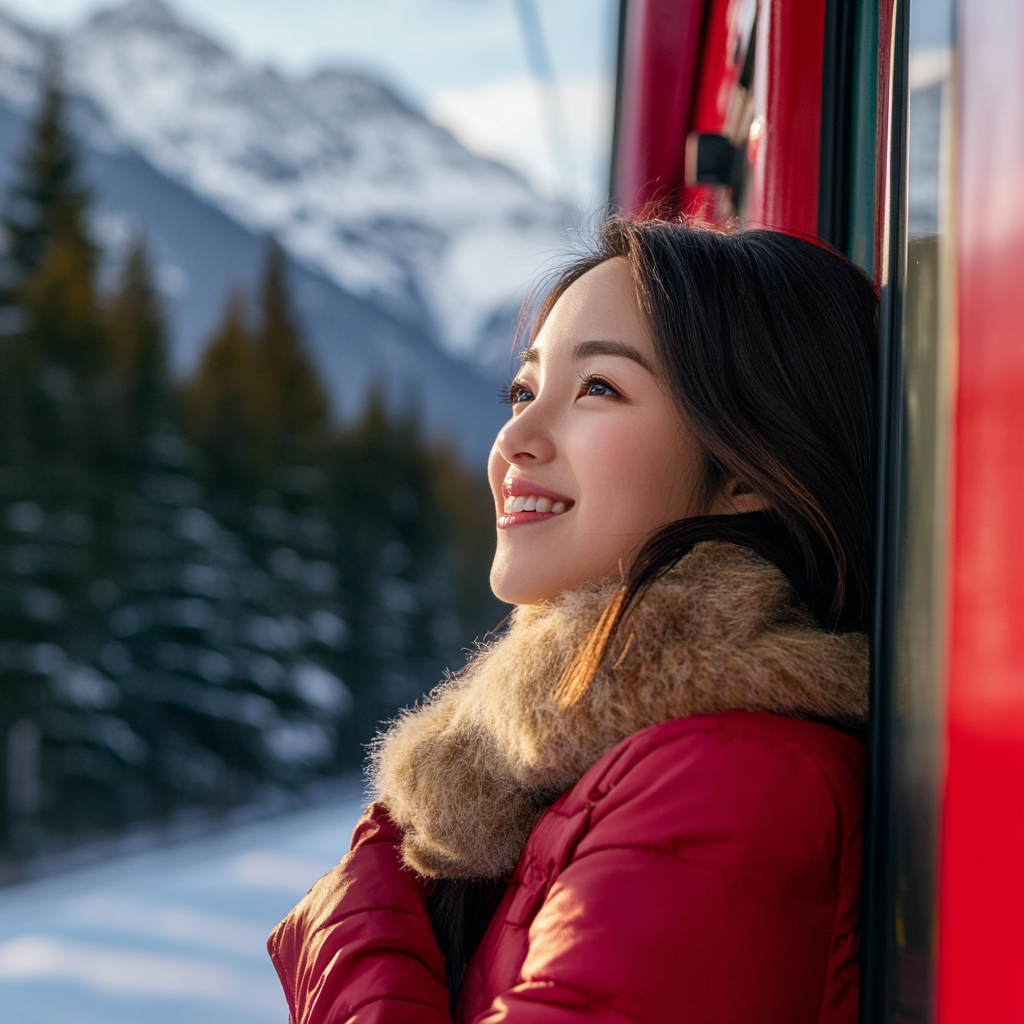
(520, 587)
(516, 595)
(540, 576)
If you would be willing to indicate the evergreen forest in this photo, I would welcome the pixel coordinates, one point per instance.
(212, 590)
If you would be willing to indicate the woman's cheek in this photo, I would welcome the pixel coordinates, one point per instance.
(610, 467)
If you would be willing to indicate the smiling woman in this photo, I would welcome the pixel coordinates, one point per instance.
(643, 801)
(595, 430)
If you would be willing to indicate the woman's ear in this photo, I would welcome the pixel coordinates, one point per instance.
(738, 496)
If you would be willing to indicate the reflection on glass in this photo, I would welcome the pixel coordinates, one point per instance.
(921, 507)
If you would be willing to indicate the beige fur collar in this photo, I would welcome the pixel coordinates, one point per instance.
(467, 773)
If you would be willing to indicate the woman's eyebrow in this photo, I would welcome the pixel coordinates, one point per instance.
(586, 349)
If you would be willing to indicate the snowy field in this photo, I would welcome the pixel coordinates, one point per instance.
(169, 936)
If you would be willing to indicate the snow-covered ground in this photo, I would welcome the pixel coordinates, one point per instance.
(169, 936)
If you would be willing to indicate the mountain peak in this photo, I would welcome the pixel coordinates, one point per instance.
(152, 18)
(142, 13)
(356, 183)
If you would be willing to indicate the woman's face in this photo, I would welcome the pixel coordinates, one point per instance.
(595, 456)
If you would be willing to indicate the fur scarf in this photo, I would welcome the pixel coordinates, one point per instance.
(468, 772)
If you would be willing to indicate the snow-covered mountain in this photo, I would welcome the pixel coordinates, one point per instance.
(409, 254)
(22, 55)
(354, 182)
(200, 253)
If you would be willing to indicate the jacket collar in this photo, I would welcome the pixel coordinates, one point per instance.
(467, 773)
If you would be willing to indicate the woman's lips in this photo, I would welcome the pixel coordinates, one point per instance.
(526, 502)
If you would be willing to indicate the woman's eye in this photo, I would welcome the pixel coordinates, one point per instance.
(596, 386)
(518, 393)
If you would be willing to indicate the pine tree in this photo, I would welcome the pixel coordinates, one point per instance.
(140, 594)
(415, 540)
(289, 534)
(49, 268)
(137, 343)
(258, 416)
(54, 468)
(188, 573)
(255, 403)
(218, 409)
(46, 202)
(463, 504)
(290, 408)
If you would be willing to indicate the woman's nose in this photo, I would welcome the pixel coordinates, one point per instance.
(526, 439)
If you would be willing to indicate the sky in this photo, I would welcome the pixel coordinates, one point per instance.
(465, 62)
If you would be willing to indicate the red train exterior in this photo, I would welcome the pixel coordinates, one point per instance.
(895, 131)
(981, 899)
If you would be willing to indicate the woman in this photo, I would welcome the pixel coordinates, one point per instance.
(642, 803)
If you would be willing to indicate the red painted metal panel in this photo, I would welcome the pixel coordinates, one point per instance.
(786, 137)
(718, 75)
(981, 918)
(719, 71)
(677, 75)
(661, 53)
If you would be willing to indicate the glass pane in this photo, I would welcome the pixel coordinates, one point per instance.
(921, 510)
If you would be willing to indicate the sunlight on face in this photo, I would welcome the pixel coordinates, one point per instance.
(595, 457)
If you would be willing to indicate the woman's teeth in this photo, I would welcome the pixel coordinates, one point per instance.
(531, 503)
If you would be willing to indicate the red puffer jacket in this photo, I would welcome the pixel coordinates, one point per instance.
(706, 870)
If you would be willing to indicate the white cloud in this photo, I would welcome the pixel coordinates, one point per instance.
(507, 120)
(422, 44)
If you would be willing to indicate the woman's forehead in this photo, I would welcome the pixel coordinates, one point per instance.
(601, 305)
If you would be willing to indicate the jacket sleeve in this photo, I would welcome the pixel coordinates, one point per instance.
(702, 892)
(360, 947)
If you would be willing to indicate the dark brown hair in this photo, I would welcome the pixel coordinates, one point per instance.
(767, 342)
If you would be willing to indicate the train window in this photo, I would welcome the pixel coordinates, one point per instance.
(918, 350)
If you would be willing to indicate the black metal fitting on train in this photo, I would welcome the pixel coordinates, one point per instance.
(714, 160)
